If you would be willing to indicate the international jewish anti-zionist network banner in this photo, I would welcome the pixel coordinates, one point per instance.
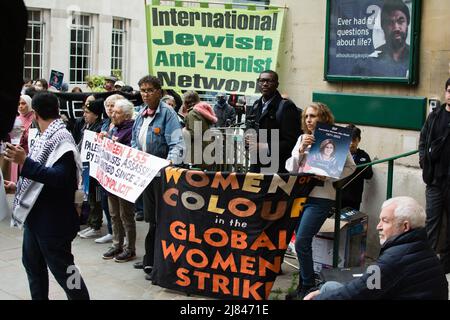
(121, 170)
(225, 235)
(212, 49)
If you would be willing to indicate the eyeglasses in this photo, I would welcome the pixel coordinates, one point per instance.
(150, 91)
(269, 81)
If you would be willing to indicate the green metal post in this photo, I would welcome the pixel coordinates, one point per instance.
(337, 228)
(389, 179)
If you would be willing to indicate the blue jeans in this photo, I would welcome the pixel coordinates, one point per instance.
(55, 252)
(315, 212)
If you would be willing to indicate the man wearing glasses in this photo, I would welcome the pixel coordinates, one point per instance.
(272, 113)
(156, 131)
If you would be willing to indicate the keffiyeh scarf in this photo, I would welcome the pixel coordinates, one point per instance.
(41, 150)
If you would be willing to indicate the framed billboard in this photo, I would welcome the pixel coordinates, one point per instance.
(372, 40)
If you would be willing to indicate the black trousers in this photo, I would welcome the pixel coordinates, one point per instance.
(55, 252)
(150, 197)
(438, 207)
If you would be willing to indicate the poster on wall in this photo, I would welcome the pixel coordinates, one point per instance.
(212, 49)
(372, 40)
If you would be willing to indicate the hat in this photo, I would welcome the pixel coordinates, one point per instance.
(119, 83)
(96, 106)
(221, 94)
(111, 78)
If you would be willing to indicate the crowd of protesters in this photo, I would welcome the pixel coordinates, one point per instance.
(135, 125)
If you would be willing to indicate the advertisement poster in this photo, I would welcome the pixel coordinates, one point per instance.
(121, 170)
(328, 153)
(224, 235)
(370, 39)
(212, 49)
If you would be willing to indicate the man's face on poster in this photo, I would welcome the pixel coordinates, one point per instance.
(395, 27)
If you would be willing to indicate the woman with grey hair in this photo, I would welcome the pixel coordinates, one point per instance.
(169, 100)
(121, 210)
(106, 127)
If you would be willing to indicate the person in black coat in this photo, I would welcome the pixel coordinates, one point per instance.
(352, 193)
(44, 203)
(272, 112)
(434, 159)
(407, 267)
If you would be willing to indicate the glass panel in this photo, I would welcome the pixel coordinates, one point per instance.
(79, 35)
(36, 60)
(29, 31)
(27, 60)
(37, 46)
(36, 16)
(79, 75)
(36, 32)
(86, 34)
(72, 75)
(36, 74)
(72, 62)
(28, 46)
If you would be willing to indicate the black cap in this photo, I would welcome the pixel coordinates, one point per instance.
(96, 106)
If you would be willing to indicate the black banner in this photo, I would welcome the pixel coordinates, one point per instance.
(71, 104)
(225, 235)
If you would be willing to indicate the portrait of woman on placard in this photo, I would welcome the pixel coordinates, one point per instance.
(325, 160)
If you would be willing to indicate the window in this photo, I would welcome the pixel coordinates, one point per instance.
(34, 46)
(118, 47)
(80, 48)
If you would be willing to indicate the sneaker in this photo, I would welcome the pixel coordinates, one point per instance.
(125, 256)
(91, 234)
(139, 216)
(111, 253)
(84, 231)
(138, 265)
(105, 239)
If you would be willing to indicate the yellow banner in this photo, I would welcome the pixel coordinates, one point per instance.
(212, 49)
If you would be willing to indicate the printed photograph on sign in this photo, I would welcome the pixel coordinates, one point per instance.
(56, 79)
(371, 39)
(328, 153)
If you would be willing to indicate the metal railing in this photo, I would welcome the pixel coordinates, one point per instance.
(339, 188)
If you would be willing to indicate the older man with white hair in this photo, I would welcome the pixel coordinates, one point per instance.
(407, 267)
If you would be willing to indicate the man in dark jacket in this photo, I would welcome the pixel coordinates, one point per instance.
(44, 203)
(272, 112)
(407, 267)
(434, 158)
(226, 115)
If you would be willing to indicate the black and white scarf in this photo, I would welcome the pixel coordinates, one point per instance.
(41, 150)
